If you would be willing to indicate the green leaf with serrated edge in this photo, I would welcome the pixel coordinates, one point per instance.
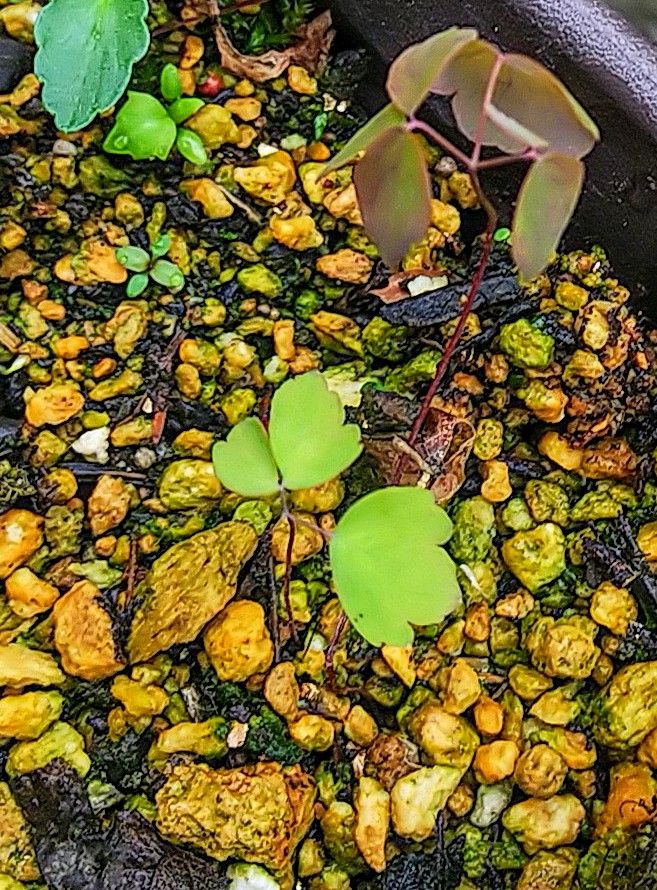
(133, 258)
(184, 108)
(389, 569)
(309, 439)
(170, 85)
(190, 145)
(389, 116)
(244, 463)
(137, 285)
(160, 246)
(167, 274)
(97, 40)
(546, 202)
(414, 71)
(142, 129)
(394, 193)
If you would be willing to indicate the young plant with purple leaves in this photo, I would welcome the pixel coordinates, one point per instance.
(499, 100)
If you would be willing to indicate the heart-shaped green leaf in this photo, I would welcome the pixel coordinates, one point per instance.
(389, 116)
(133, 258)
(388, 566)
(184, 108)
(394, 193)
(142, 129)
(414, 71)
(97, 40)
(244, 463)
(546, 202)
(167, 274)
(309, 439)
(170, 85)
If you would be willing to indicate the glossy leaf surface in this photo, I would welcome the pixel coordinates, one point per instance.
(190, 145)
(96, 40)
(170, 85)
(414, 71)
(389, 116)
(394, 193)
(167, 274)
(388, 566)
(546, 202)
(181, 109)
(137, 285)
(142, 129)
(133, 258)
(244, 463)
(309, 439)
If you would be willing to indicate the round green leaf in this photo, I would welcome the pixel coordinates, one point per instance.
(97, 40)
(414, 71)
(184, 108)
(309, 439)
(244, 463)
(394, 193)
(137, 285)
(546, 202)
(167, 274)
(190, 145)
(133, 258)
(389, 569)
(389, 116)
(142, 129)
(170, 85)
(160, 246)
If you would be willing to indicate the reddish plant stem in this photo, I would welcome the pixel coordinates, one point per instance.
(330, 652)
(529, 154)
(288, 577)
(418, 126)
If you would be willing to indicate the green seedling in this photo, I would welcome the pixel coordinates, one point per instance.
(146, 265)
(388, 565)
(146, 128)
(499, 100)
(97, 40)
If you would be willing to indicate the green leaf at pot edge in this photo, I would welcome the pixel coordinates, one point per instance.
(142, 129)
(170, 85)
(388, 566)
(309, 439)
(244, 462)
(160, 246)
(389, 116)
(546, 201)
(137, 284)
(167, 274)
(416, 69)
(101, 48)
(394, 193)
(190, 145)
(133, 258)
(184, 108)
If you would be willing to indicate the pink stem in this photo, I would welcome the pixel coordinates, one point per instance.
(529, 154)
(418, 126)
(483, 115)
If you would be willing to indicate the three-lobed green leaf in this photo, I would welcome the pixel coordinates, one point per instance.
(99, 40)
(308, 442)
(388, 566)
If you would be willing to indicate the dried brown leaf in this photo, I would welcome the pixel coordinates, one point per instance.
(394, 290)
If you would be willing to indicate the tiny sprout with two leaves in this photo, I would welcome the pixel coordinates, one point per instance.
(137, 260)
(145, 128)
(388, 565)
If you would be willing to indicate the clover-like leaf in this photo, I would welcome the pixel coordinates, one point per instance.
(184, 108)
(309, 439)
(137, 285)
(394, 193)
(167, 274)
(546, 201)
(389, 116)
(97, 40)
(170, 85)
(244, 463)
(389, 569)
(415, 70)
(190, 145)
(133, 258)
(142, 129)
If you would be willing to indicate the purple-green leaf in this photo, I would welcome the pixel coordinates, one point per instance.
(413, 72)
(547, 199)
(389, 116)
(394, 193)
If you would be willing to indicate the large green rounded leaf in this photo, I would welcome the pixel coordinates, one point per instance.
(86, 52)
(309, 439)
(389, 569)
(244, 462)
(546, 202)
(142, 129)
(394, 193)
(414, 71)
(389, 116)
